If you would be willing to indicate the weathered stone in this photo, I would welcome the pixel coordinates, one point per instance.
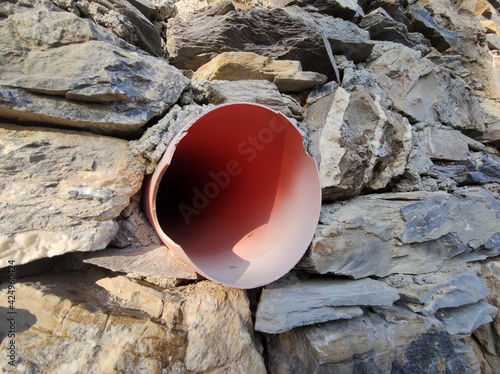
(44, 78)
(287, 304)
(382, 26)
(466, 319)
(155, 263)
(232, 66)
(282, 33)
(390, 340)
(445, 144)
(422, 21)
(356, 141)
(133, 295)
(346, 9)
(127, 19)
(427, 93)
(63, 320)
(446, 290)
(61, 191)
(488, 335)
(491, 110)
(251, 91)
(493, 41)
(404, 233)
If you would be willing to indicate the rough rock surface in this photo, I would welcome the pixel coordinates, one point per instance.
(64, 319)
(61, 191)
(44, 79)
(466, 319)
(356, 141)
(426, 93)
(281, 33)
(285, 305)
(368, 344)
(404, 233)
(287, 75)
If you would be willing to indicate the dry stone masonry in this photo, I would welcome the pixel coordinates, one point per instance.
(398, 103)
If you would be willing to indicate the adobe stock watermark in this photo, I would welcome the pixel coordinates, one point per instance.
(219, 180)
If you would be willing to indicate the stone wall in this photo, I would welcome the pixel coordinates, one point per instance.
(399, 104)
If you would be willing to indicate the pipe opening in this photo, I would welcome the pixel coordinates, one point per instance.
(240, 196)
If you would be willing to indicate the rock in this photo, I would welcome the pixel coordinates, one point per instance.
(345, 9)
(408, 233)
(426, 93)
(44, 78)
(284, 305)
(447, 290)
(127, 19)
(466, 319)
(478, 7)
(151, 146)
(481, 168)
(61, 191)
(232, 66)
(282, 33)
(251, 91)
(357, 142)
(488, 335)
(62, 320)
(155, 264)
(422, 21)
(493, 41)
(133, 295)
(446, 144)
(491, 110)
(389, 340)
(382, 26)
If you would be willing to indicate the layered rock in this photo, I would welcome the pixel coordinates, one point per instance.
(43, 78)
(63, 320)
(287, 75)
(357, 142)
(368, 343)
(284, 305)
(408, 233)
(61, 191)
(282, 33)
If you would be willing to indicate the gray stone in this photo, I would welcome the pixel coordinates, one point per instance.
(491, 111)
(289, 33)
(129, 20)
(44, 78)
(466, 319)
(284, 305)
(493, 41)
(346, 9)
(427, 93)
(154, 262)
(422, 21)
(356, 141)
(61, 191)
(391, 340)
(408, 233)
(251, 91)
(382, 26)
(446, 144)
(449, 290)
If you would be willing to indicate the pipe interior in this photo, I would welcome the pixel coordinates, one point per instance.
(231, 197)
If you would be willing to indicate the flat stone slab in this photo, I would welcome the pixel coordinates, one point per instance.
(285, 305)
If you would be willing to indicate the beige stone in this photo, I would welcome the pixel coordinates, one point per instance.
(287, 75)
(61, 191)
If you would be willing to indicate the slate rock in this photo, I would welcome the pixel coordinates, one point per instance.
(289, 33)
(284, 305)
(410, 233)
(345, 9)
(45, 80)
(61, 191)
(466, 319)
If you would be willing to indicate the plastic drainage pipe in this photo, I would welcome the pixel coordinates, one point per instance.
(236, 196)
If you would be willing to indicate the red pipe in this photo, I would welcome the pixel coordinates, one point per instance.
(236, 196)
